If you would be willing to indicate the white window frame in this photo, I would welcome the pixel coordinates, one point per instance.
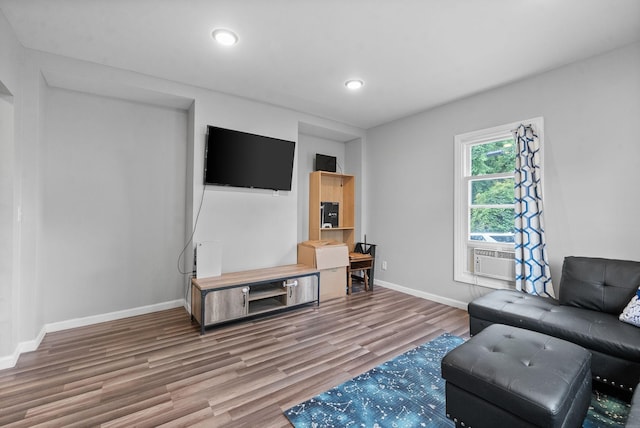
(462, 169)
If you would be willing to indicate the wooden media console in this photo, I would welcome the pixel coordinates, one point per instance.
(238, 295)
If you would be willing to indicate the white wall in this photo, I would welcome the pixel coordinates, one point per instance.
(113, 182)
(591, 112)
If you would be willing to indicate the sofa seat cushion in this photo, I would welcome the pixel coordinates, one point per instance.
(594, 330)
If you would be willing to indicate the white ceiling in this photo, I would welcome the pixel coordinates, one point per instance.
(412, 54)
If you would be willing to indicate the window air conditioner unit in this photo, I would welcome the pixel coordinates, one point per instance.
(496, 264)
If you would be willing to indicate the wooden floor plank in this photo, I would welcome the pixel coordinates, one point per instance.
(156, 369)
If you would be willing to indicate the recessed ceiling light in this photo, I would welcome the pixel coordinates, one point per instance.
(224, 37)
(354, 84)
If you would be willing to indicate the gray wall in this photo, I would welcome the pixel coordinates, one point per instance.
(308, 146)
(89, 249)
(590, 111)
(113, 183)
(7, 226)
(10, 61)
(349, 161)
(354, 160)
(590, 108)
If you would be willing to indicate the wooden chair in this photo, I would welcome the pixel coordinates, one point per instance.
(362, 259)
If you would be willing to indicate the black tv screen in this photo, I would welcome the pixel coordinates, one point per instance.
(240, 159)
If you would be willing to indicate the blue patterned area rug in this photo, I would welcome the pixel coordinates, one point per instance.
(408, 391)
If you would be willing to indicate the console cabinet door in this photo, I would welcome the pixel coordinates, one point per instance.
(302, 290)
(226, 305)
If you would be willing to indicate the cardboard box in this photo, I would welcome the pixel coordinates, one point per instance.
(331, 258)
(333, 283)
(323, 254)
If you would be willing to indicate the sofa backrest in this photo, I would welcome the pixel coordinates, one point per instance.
(604, 285)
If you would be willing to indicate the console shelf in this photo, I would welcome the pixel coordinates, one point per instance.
(265, 305)
(238, 295)
(266, 292)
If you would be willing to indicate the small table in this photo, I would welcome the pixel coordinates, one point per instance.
(357, 262)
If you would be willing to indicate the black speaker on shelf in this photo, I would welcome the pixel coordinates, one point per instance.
(325, 163)
(329, 214)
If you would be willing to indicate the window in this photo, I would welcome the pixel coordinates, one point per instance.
(484, 205)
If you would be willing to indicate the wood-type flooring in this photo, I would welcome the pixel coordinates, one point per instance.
(156, 369)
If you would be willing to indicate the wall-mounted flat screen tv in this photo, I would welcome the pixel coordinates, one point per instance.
(240, 159)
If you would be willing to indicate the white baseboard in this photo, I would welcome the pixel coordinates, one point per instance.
(111, 316)
(433, 297)
(31, 345)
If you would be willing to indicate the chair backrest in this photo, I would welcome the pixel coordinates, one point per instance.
(365, 248)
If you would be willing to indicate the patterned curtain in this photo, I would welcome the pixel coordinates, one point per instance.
(532, 267)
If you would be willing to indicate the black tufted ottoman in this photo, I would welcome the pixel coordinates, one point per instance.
(510, 377)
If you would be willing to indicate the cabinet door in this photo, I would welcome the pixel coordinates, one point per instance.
(226, 305)
(302, 290)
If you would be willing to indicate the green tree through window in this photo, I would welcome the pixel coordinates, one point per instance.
(493, 158)
(492, 198)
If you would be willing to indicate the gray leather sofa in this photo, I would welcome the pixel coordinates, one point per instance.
(592, 294)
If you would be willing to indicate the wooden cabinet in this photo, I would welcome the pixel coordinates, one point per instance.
(238, 295)
(301, 290)
(226, 305)
(332, 187)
